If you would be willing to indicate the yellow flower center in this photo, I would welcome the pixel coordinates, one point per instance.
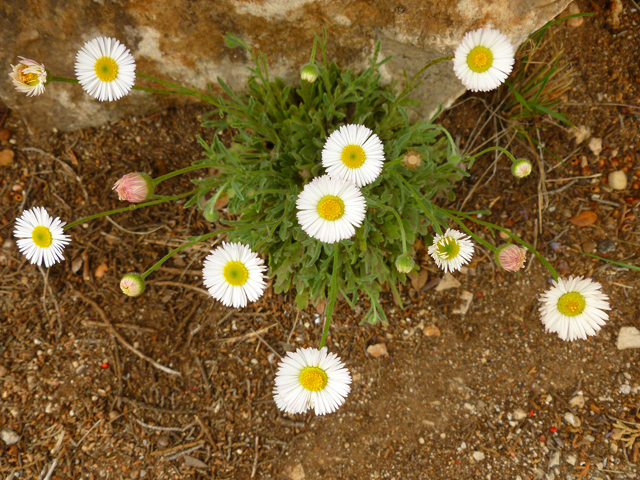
(448, 248)
(106, 69)
(30, 79)
(330, 207)
(235, 273)
(41, 236)
(480, 59)
(313, 379)
(571, 304)
(353, 156)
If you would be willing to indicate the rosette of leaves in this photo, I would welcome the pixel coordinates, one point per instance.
(278, 135)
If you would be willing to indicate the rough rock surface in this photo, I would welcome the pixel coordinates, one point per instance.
(183, 42)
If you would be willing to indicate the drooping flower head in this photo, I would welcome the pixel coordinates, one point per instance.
(574, 308)
(309, 73)
(412, 159)
(234, 274)
(511, 257)
(134, 187)
(311, 378)
(105, 68)
(329, 209)
(132, 284)
(353, 153)
(41, 237)
(29, 77)
(451, 250)
(521, 168)
(483, 60)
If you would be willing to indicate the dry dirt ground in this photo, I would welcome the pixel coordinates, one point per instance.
(482, 395)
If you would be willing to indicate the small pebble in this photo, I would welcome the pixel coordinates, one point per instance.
(9, 437)
(595, 145)
(554, 459)
(607, 246)
(478, 456)
(577, 401)
(629, 337)
(618, 180)
(625, 389)
(571, 458)
(589, 246)
(519, 414)
(572, 420)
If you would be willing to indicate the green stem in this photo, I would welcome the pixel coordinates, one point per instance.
(420, 201)
(175, 173)
(489, 149)
(333, 293)
(129, 208)
(392, 210)
(430, 64)
(176, 250)
(53, 78)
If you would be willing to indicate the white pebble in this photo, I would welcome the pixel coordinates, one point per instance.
(9, 437)
(478, 456)
(618, 180)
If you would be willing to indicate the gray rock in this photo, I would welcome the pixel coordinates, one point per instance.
(571, 458)
(554, 459)
(9, 437)
(182, 42)
(607, 246)
(629, 337)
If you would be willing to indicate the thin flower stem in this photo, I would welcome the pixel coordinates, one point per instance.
(175, 173)
(392, 210)
(429, 65)
(53, 78)
(420, 200)
(165, 83)
(199, 239)
(129, 208)
(506, 152)
(333, 293)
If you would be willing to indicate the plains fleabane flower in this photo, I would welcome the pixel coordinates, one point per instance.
(574, 308)
(483, 60)
(329, 209)
(521, 168)
(234, 274)
(511, 257)
(29, 77)
(105, 68)
(311, 378)
(404, 263)
(353, 153)
(134, 187)
(132, 284)
(41, 237)
(309, 73)
(451, 250)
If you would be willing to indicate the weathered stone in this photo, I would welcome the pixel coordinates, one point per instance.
(182, 42)
(629, 337)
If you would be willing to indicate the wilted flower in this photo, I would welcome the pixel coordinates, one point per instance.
(29, 77)
(41, 237)
(404, 263)
(521, 168)
(132, 284)
(412, 159)
(483, 60)
(309, 73)
(573, 308)
(511, 257)
(134, 187)
(105, 69)
(311, 378)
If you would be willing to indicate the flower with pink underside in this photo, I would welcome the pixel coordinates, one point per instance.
(134, 187)
(511, 257)
(132, 284)
(29, 77)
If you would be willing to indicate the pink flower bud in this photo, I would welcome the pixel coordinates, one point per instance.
(132, 284)
(511, 257)
(29, 77)
(134, 187)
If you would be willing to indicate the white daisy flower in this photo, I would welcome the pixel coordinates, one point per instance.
(451, 250)
(329, 209)
(105, 69)
(41, 237)
(354, 153)
(234, 274)
(573, 308)
(311, 378)
(483, 60)
(29, 77)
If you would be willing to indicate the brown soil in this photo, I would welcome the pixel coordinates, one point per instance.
(490, 382)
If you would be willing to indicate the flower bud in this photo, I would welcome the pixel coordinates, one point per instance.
(309, 73)
(511, 257)
(211, 214)
(521, 168)
(132, 284)
(404, 263)
(29, 77)
(412, 159)
(134, 187)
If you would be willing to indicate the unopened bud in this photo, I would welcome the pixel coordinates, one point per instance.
(29, 77)
(309, 73)
(404, 263)
(134, 187)
(511, 257)
(132, 284)
(521, 168)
